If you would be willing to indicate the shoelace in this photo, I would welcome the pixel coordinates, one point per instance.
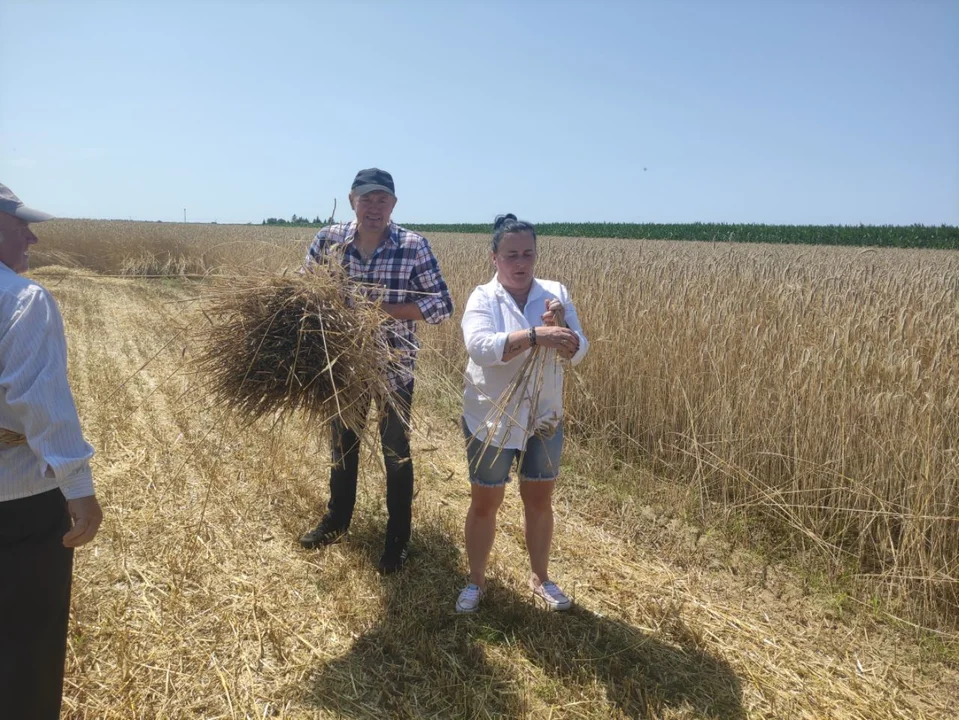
(472, 593)
(552, 591)
(395, 553)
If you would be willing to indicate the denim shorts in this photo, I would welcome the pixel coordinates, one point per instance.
(540, 462)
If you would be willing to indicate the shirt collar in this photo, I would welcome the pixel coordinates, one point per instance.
(536, 290)
(392, 240)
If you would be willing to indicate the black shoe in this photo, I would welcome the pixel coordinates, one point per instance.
(326, 533)
(394, 556)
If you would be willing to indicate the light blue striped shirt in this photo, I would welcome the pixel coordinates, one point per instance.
(35, 397)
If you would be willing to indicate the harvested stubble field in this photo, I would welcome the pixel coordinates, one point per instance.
(196, 601)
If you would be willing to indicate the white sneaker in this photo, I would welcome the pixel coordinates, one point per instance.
(469, 599)
(554, 598)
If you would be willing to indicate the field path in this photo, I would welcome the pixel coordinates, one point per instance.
(196, 601)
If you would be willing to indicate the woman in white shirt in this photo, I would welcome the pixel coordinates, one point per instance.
(503, 320)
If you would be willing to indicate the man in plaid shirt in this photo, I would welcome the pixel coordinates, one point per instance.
(399, 267)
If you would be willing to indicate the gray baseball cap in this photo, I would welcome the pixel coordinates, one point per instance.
(12, 205)
(371, 180)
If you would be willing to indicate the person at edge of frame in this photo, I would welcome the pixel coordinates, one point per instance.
(47, 502)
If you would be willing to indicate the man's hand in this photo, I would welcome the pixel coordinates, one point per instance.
(403, 311)
(87, 516)
(555, 313)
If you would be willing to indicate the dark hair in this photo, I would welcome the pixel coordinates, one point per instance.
(505, 224)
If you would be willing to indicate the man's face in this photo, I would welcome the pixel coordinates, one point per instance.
(373, 210)
(15, 239)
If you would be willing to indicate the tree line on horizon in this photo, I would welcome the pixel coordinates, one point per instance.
(944, 237)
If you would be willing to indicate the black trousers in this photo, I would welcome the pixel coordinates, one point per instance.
(35, 575)
(395, 439)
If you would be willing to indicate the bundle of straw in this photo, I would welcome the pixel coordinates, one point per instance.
(310, 343)
(9, 437)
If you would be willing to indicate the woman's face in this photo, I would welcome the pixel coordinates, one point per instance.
(515, 260)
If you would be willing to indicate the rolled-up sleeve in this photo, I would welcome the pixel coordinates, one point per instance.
(572, 322)
(484, 343)
(33, 378)
(435, 301)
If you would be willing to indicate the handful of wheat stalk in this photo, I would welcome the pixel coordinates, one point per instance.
(9, 437)
(527, 384)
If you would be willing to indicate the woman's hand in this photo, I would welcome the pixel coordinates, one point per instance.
(555, 313)
(561, 339)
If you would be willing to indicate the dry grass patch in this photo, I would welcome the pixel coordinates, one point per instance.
(141, 249)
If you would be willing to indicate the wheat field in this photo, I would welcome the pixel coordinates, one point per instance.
(817, 388)
(808, 393)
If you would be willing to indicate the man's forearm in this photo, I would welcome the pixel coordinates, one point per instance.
(403, 311)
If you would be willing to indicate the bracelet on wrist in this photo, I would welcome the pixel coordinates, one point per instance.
(531, 335)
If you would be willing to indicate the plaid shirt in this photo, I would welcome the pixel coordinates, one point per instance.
(402, 269)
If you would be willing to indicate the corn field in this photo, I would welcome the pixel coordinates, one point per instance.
(943, 237)
(910, 236)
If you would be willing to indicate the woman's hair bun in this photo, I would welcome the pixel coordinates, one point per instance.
(500, 219)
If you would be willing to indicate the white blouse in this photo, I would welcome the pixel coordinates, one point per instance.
(35, 397)
(490, 316)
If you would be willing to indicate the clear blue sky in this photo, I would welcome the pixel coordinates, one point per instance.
(767, 111)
